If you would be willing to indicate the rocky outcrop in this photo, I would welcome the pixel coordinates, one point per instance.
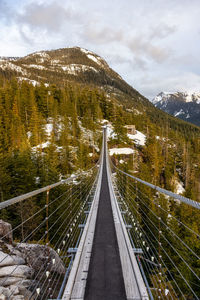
(15, 275)
(21, 263)
(6, 232)
(9, 260)
(39, 255)
(20, 271)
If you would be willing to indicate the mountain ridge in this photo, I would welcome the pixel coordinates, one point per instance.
(78, 65)
(184, 105)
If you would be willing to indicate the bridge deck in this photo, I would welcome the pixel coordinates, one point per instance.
(105, 277)
(105, 267)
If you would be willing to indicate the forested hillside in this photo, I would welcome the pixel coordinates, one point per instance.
(48, 132)
(51, 122)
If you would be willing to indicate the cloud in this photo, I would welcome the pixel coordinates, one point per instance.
(49, 17)
(162, 31)
(153, 44)
(152, 85)
(5, 12)
(103, 34)
(144, 47)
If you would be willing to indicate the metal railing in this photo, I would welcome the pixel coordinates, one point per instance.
(164, 230)
(54, 223)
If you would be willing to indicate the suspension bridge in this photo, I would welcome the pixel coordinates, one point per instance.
(114, 235)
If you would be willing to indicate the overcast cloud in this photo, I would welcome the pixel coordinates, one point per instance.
(154, 45)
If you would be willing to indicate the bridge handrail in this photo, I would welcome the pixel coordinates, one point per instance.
(183, 199)
(20, 198)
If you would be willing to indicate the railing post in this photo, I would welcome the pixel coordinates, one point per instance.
(47, 217)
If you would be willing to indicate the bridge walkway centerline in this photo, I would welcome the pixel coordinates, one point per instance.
(105, 277)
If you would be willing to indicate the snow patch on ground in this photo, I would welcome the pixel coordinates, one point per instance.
(33, 82)
(29, 134)
(41, 146)
(88, 136)
(139, 138)
(110, 133)
(119, 151)
(46, 145)
(95, 59)
(179, 189)
(84, 50)
(137, 112)
(73, 69)
(8, 65)
(48, 129)
(181, 112)
(39, 67)
(42, 54)
(55, 61)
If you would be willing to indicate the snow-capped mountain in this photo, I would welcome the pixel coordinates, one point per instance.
(69, 65)
(184, 105)
(65, 64)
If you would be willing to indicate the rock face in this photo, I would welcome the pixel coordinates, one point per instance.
(6, 232)
(39, 255)
(20, 263)
(15, 275)
(16, 271)
(9, 260)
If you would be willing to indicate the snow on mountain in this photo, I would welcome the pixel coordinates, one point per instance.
(35, 67)
(42, 54)
(7, 65)
(180, 112)
(184, 105)
(75, 68)
(182, 96)
(95, 59)
(33, 82)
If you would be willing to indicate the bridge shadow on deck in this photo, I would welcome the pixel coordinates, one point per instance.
(105, 279)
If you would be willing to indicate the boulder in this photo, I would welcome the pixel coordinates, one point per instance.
(6, 231)
(10, 260)
(7, 281)
(13, 250)
(26, 293)
(4, 293)
(25, 283)
(14, 290)
(17, 297)
(39, 255)
(16, 271)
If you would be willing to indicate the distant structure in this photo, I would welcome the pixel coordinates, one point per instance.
(130, 129)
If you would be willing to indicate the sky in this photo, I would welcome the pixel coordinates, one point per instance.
(153, 44)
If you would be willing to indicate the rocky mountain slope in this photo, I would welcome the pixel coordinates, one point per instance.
(67, 65)
(185, 106)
